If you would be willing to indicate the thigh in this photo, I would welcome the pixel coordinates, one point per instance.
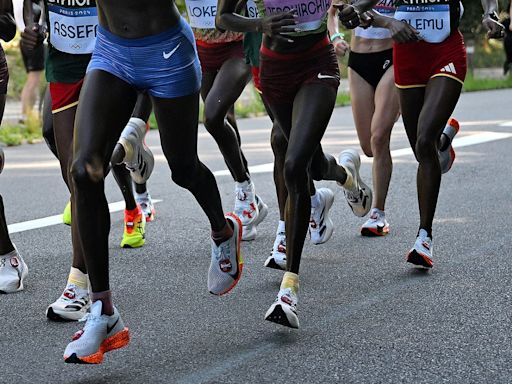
(386, 105)
(362, 100)
(106, 104)
(207, 80)
(411, 104)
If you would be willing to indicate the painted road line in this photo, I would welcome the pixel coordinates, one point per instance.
(57, 219)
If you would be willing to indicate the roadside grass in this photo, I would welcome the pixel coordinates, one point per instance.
(27, 132)
(472, 84)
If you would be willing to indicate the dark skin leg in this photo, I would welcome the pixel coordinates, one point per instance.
(220, 91)
(124, 181)
(423, 130)
(100, 120)
(178, 124)
(48, 133)
(304, 123)
(6, 245)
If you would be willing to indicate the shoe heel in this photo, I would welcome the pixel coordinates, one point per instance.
(117, 341)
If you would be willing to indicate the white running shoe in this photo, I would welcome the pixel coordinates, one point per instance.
(246, 206)
(101, 334)
(138, 157)
(376, 225)
(359, 197)
(227, 262)
(320, 224)
(284, 309)
(72, 305)
(147, 207)
(13, 271)
(421, 254)
(447, 157)
(277, 258)
(249, 232)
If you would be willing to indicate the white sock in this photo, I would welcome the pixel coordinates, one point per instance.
(315, 199)
(142, 196)
(243, 185)
(281, 227)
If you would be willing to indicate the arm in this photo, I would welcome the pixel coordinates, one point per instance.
(33, 35)
(401, 32)
(490, 19)
(349, 14)
(7, 23)
(337, 40)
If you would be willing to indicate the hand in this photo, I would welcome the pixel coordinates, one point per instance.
(402, 32)
(340, 47)
(32, 36)
(276, 25)
(348, 15)
(495, 30)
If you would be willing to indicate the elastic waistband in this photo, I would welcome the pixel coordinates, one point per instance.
(369, 54)
(294, 55)
(143, 41)
(205, 44)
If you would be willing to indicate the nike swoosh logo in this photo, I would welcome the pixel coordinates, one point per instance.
(320, 76)
(167, 55)
(109, 329)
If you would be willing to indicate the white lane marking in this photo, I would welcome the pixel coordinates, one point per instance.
(474, 139)
(57, 219)
(506, 124)
(478, 138)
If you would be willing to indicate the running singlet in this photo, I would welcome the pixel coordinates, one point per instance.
(312, 14)
(72, 28)
(386, 8)
(435, 20)
(201, 16)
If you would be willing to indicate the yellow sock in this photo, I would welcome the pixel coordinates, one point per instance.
(78, 278)
(349, 183)
(291, 281)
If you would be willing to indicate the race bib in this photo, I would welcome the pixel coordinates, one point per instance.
(311, 13)
(73, 30)
(386, 8)
(252, 10)
(201, 13)
(431, 21)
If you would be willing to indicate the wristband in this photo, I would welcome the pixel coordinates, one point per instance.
(336, 35)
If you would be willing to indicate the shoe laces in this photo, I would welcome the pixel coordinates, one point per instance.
(223, 252)
(354, 196)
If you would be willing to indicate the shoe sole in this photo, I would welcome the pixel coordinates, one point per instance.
(136, 245)
(373, 232)
(239, 257)
(276, 314)
(419, 260)
(117, 341)
(329, 225)
(368, 194)
(53, 315)
(271, 263)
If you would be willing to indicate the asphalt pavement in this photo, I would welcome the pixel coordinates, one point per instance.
(366, 316)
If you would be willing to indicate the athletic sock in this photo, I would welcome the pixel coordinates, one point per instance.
(224, 234)
(427, 230)
(243, 185)
(78, 278)
(291, 281)
(133, 212)
(349, 182)
(106, 299)
(281, 228)
(142, 196)
(315, 199)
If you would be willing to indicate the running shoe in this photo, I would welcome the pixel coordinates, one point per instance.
(376, 225)
(320, 224)
(66, 215)
(2, 159)
(72, 305)
(246, 206)
(447, 157)
(421, 254)
(146, 204)
(101, 334)
(277, 258)
(13, 271)
(134, 229)
(359, 196)
(249, 232)
(138, 157)
(227, 262)
(284, 309)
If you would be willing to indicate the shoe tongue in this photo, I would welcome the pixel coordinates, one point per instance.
(423, 234)
(96, 308)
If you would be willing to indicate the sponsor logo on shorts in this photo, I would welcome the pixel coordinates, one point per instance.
(386, 64)
(320, 76)
(168, 55)
(450, 68)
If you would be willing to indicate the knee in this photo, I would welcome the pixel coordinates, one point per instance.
(278, 142)
(379, 143)
(185, 175)
(367, 148)
(295, 173)
(86, 174)
(213, 119)
(426, 148)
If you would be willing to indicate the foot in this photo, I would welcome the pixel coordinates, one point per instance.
(13, 271)
(146, 204)
(376, 225)
(227, 263)
(447, 157)
(138, 157)
(358, 194)
(101, 334)
(66, 215)
(320, 224)
(134, 229)
(246, 206)
(249, 232)
(277, 258)
(284, 309)
(421, 254)
(72, 305)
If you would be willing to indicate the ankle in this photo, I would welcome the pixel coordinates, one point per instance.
(223, 235)
(106, 300)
